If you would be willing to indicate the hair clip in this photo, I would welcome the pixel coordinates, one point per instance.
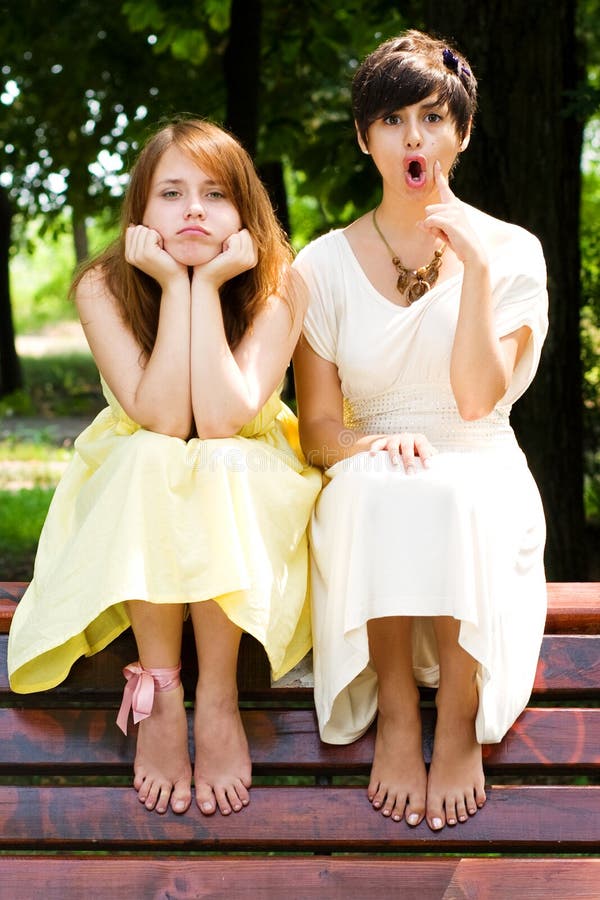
(450, 60)
(464, 72)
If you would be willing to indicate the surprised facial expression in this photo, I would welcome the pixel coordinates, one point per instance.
(406, 144)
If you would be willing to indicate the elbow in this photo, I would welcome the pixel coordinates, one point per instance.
(176, 428)
(473, 405)
(221, 425)
(471, 412)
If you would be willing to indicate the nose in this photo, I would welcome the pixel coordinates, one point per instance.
(412, 135)
(195, 210)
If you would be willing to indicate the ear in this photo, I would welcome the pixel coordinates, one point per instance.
(361, 142)
(467, 137)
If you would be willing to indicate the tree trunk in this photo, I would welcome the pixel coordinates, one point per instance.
(242, 71)
(523, 165)
(10, 370)
(80, 238)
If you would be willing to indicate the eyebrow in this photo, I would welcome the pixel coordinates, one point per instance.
(209, 182)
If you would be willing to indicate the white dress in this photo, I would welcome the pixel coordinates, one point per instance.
(464, 538)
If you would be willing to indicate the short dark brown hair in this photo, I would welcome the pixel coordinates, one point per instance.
(407, 69)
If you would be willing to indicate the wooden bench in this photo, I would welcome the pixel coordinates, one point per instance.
(71, 825)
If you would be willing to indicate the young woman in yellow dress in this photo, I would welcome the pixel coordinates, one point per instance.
(189, 491)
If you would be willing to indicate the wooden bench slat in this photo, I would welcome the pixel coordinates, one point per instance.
(573, 607)
(129, 876)
(305, 818)
(86, 741)
(569, 665)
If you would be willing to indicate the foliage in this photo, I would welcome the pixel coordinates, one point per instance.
(56, 386)
(22, 515)
(78, 83)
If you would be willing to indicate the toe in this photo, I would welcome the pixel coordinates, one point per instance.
(151, 795)
(452, 809)
(222, 801)
(468, 807)
(205, 799)
(380, 795)
(243, 793)
(415, 810)
(480, 797)
(181, 798)
(372, 790)
(162, 801)
(436, 818)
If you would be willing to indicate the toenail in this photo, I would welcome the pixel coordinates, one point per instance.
(451, 821)
(413, 819)
(207, 807)
(396, 817)
(179, 805)
(386, 812)
(437, 823)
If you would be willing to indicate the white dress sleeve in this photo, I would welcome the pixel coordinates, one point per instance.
(521, 298)
(320, 328)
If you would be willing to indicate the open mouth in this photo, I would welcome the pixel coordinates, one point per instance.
(415, 171)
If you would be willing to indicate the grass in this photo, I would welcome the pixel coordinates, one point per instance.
(22, 515)
(33, 455)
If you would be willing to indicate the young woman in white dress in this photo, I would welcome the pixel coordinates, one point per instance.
(426, 317)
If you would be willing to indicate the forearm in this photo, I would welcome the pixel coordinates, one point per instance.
(163, 397)
(326, 441)
(477, 369)
(222, 399)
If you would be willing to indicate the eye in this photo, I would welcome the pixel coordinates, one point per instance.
(170, 194)
(216, 195)
(433, 117)
(392, 119)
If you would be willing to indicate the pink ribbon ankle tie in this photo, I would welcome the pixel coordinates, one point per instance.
(138, 695)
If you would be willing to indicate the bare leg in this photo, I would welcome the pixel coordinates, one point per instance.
(162, 767)
(222, 769)
(398, 777)
(456, 784)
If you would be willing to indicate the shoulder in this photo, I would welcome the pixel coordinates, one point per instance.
(497, 234)
(318, 249)
(92, 292)
(507, 244)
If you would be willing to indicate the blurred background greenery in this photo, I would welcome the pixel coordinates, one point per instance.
(81, 86)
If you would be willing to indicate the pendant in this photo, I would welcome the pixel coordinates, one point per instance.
(416, 291)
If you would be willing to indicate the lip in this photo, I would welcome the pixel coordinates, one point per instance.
(193, 229)
(421, 180)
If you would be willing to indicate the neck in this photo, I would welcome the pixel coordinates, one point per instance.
(403, 213)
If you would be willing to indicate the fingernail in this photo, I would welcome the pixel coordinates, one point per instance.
(437, 823)
(413, 819)
(426, 463)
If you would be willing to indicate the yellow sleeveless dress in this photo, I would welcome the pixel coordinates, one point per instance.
(140, 515)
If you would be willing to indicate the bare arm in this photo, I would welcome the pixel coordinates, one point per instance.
(230, 388)
(324, 438)
(154, 392)
(481, 365)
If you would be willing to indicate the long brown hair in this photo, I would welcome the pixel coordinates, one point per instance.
(220, 155)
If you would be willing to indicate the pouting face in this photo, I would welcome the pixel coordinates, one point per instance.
(190, 209)
(406, 144)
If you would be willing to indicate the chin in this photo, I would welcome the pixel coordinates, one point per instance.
(195, 257)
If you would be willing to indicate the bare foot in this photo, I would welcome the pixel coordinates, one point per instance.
(456, 783)
(162, 767)
(398, 777)
(222, 769)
